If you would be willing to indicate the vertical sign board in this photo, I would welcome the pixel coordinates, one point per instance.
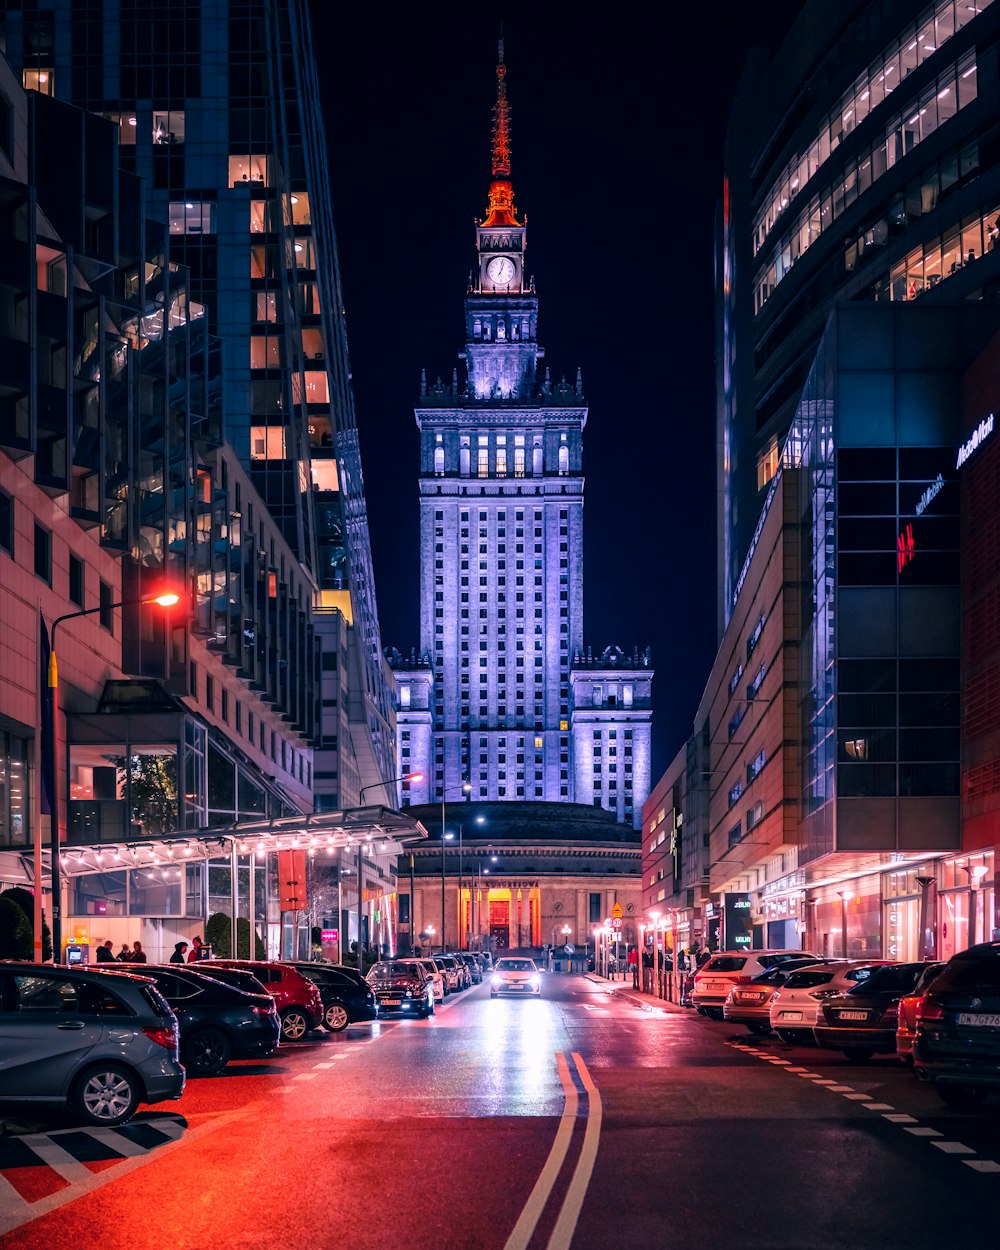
(738, 926)
(292, 880)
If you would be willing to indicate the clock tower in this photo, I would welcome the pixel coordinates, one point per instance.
(501, 308)
(491, 706)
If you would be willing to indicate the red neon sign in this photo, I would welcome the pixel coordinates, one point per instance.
(905, 548)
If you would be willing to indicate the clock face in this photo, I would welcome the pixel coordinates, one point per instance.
(500, 270)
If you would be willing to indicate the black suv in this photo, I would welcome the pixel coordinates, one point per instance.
(957, 1044)
(217, 1022)
(347, 996)
(402, 985)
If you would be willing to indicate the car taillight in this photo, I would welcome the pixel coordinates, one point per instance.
(162, 1036)
(269, 1010)
(743, 980)
(928, 1009)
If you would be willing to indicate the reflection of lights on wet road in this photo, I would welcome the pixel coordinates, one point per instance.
(518, 1048)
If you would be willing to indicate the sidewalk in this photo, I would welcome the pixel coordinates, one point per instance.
(625, 989)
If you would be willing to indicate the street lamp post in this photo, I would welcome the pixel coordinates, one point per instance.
(655, 917)
(50, 704)
(378, 785)
(466, 790)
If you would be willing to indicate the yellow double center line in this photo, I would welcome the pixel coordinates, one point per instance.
(562, 1234)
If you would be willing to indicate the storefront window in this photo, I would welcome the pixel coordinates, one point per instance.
(13, 790)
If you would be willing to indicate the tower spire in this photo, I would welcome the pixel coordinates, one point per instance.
(501, 210)
(501, 121)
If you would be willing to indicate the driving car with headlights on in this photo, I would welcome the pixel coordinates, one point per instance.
(515, 975)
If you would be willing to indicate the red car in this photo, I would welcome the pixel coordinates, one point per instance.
(300, 1007)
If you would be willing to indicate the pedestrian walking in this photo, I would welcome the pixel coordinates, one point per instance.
(178, 956)
(105, 954)
(138, 955)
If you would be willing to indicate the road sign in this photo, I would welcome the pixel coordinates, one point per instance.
(616, 912)
(616, 922)
(569, 948)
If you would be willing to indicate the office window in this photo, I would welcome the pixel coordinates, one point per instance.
(210, 692)
(105, 600)
(6, 523)
(76, 571)
(43, 553)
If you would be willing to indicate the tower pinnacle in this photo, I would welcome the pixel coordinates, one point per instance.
(501, 210)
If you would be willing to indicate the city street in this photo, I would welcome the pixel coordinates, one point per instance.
(582, 1119)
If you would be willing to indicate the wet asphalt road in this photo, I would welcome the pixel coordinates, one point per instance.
(578, 1120)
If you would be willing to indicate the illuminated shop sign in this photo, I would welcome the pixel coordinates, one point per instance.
(738, 920)
(905, 548)
(979, 436)
(930, 494)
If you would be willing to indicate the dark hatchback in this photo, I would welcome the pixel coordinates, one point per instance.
(402, 985)
(347, 996)
(957, 1043)
(218, 1022)
(862, 1021)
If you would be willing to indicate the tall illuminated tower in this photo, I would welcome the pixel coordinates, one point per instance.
(489, 700)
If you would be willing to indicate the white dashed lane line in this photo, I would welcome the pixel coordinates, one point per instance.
(908, 1123)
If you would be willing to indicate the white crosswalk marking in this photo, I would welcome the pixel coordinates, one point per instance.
(58, 1160)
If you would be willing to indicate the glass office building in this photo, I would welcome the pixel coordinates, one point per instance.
(862, 164)
(217, 109)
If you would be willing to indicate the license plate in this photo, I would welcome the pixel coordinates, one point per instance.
(392, 1002)
(991, 1021)
(714, 986)
(791, 1015)
(750, 998)
(853, 1015)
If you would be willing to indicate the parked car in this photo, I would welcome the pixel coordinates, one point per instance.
(515, 974)
(475, 971)
(464, 975)
(861, 1021)
(403, 985)
(713, 981)
(453, 973)
(217, 1022)
(795, 1007)
(97, 1043)
(437, 976)
(957, 1045)
(749, 1004)
(300, 1006)
(906, 1012)
(687, 989)
(346, 1000)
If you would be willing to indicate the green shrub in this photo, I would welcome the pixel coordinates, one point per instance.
(16, 941)
(26, 901)
(219, 935)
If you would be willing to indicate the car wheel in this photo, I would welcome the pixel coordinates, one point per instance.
(335, 1018)
(106, 1095)
(700, 1011)
(207, 1052)
(429, 1009)
(714, 1013)
(760, 1027)
(962, 1097)
(858, 1054)
(493, 993)
(294, 1025)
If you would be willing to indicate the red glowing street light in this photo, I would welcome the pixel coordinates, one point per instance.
(49, 675)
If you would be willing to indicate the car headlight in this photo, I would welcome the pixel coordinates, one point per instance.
(536, 983)
(410, 993)
(498, 983)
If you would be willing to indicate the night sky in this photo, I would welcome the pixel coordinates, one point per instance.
(619, 114)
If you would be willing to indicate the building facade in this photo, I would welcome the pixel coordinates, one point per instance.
(515, 876)
(489, 699)
(861, 164)
(217, 110)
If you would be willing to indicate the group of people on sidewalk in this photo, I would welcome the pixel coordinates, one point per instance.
(133, 954)
(642, 965)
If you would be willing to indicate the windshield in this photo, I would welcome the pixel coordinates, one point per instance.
(725, 963)
(891, 980)
(391, 972)
(806, 980)
(515, 965)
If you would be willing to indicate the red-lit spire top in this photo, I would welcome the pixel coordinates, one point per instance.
(501, 122)
(501, 211)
